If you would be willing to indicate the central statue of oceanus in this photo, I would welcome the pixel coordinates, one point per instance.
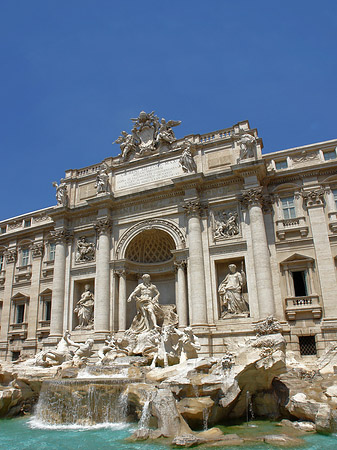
(147, 135)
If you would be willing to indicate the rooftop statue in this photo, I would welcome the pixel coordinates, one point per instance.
(148, 135)
(61, 193)
(102, 180)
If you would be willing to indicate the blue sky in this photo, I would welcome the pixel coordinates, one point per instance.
(73, 72)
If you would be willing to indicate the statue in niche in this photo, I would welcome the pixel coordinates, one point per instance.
(230, 291)
(61, 193)
(128, 143)
(102, 180)
(85, 250)
(186, 160)
(85, 309)
(225, 224)
(146, 296)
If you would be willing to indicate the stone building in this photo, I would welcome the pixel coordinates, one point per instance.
(228, 235)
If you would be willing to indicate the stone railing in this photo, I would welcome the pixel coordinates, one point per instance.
(216, 135)
(297, 224)
(23, 273)
(18, 330)
(87, 171)
(305, 304)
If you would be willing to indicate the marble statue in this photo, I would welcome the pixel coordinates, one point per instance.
(146, 296)
(102, 181)
(225, 224)
(128, 143)
(61, 193)
(165, 132)
(111, 348)
(83, 350)
(188, 345)
(247, 146)
(186, 160)
(148, 134)
(85, 250)
(61, 354)
(85, 309)
(230, 291)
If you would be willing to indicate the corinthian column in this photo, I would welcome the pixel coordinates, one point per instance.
(122, 300)
(253, 199)
(197, 286)
(57, 306)
(181, 302)
(102, 291)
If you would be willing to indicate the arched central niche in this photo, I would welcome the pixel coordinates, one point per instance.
(150, 247)
(150, 251)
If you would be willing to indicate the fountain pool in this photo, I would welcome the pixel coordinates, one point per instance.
(28, 434)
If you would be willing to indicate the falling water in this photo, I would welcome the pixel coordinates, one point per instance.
(205, 417)
(122, 405)
(82, 402)
(146, 414)
(249, 408)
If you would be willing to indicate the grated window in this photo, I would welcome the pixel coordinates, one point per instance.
(307, 345)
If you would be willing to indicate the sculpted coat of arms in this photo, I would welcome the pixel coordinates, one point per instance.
(148, 135)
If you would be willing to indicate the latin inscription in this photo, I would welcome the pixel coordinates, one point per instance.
(146, 175)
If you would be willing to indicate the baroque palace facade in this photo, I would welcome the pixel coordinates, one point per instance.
(228, 236)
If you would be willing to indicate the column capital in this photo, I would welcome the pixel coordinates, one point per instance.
(194, 207)
(103, 225)
(61, 235)
(37, 250)
(313, 197)
(121, 272)
(10, 255)
(180, 264)
(255, 197)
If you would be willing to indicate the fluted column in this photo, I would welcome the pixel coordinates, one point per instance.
(314, 200)
(57, 305)
(102, 291)
(197, 286)
(10, 258)
(37, 253)
(181, 301)
(122, 300)
(253, 199)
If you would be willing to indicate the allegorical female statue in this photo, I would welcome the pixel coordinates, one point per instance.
(85, 309)
(230, 291)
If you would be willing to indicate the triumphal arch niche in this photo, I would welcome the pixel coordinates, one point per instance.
(155, 247)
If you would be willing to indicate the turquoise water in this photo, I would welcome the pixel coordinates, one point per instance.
(25, 434)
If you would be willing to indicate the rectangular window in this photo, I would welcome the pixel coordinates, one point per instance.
(51, 252)
(1, 261)
(281, 164)
(288, 207)
(307, 345)
(27, 223)
(20, 313)
(47, 309)
(300, 284)
(329, 155)
(3, 230)
(25, 257)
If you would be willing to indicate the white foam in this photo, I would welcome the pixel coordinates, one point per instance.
(36, 423)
